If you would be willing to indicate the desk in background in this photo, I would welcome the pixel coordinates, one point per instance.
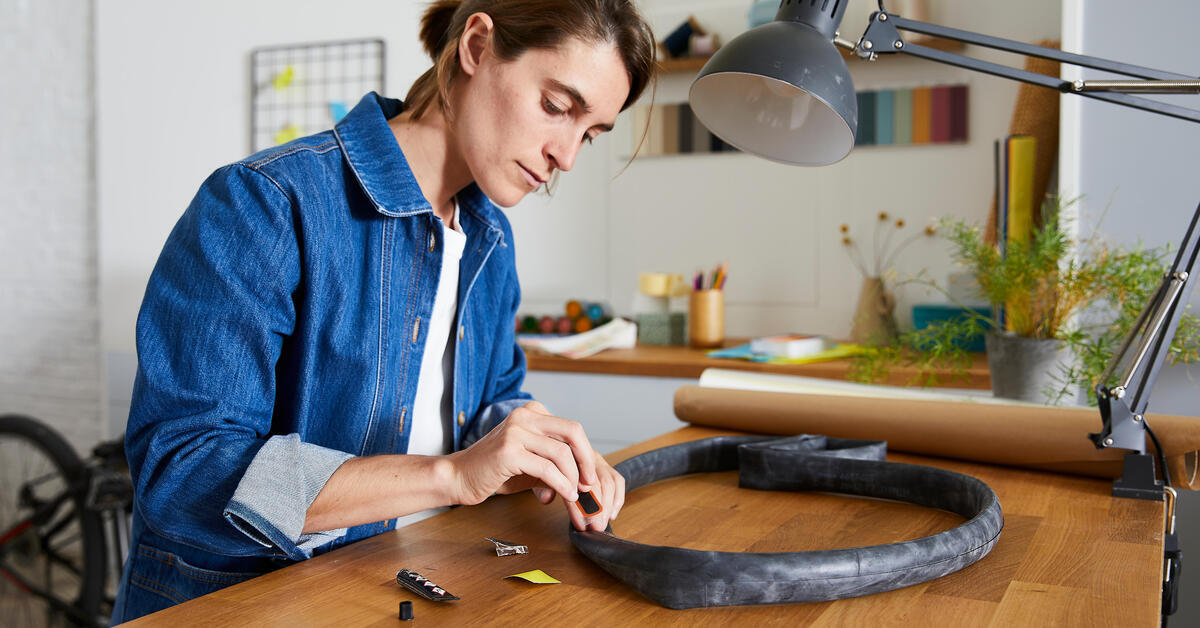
(624, 396)
(1070, 554)
(658, 361)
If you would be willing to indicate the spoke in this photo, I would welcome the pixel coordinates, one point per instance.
(16, 580)
(70, 540)
(55, 557)
(16, 531)
(58, 526)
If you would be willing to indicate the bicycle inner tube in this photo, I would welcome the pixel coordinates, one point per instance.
(682, 578)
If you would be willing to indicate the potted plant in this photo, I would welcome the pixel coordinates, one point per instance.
(1060, 309)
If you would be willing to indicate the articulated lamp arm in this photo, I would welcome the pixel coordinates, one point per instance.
(883, 37)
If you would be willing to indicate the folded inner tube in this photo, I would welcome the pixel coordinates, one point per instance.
(682, 578)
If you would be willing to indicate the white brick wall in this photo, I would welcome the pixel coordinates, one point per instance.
(49, 314)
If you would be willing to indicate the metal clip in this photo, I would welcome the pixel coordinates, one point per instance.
(504, 548)
(1170, 492)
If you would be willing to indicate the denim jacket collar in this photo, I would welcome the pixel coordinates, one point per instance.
(376, 158)
(383, 171)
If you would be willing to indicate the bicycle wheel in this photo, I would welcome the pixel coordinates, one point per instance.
(51, 546)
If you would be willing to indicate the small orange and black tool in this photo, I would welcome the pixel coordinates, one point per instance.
(587, 504)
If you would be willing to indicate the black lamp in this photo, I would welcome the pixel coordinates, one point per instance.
(781, 91)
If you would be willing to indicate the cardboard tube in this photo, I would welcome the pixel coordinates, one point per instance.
(1035, 437)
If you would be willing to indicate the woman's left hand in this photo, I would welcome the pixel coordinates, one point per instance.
(610, 493)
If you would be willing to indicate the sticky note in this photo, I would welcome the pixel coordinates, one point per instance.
(284, 78)
(287, 134)
(337, 110)
(537, 576)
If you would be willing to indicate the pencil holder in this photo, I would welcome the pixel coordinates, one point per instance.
(706, 318)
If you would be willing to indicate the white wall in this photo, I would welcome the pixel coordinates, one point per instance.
(49, 321)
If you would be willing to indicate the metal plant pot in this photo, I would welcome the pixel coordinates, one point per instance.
(1024, 368)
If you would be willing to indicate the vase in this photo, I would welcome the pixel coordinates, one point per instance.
(1022, 368)
(874, 319)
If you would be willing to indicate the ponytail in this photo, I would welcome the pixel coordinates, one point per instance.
(435, 26)
(435, 34)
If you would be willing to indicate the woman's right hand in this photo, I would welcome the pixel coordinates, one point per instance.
(530, 448)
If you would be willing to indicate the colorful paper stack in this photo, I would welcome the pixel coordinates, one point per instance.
(921, 115)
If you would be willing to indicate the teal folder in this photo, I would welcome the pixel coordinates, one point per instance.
(866, 119)
(902, 120)
(883, 116)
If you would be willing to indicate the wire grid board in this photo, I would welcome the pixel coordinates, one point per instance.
(301, 89)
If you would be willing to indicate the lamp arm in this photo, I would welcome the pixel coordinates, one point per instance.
(883, 37)
(1122, 407)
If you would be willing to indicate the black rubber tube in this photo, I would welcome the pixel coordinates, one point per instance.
(682, 578)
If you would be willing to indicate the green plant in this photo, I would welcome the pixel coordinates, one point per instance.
(1088, 296)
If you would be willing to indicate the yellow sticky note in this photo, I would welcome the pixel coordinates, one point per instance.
(287, 134)
(284, 78)
(537, 576)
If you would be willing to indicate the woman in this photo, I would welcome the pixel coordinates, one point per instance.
(327, 310)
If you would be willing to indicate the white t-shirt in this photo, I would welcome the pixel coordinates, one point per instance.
(433, 407)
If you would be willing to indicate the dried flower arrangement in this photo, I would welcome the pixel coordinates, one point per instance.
(883, 253)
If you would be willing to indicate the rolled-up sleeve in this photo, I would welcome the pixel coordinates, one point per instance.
(273, 496)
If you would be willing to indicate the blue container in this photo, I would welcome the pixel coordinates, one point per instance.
(927, 313)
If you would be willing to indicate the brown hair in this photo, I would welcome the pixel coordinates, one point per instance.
(520, 25)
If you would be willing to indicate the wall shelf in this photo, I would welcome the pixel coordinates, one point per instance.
(687, 64)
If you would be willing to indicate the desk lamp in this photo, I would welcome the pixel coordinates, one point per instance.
(782, 91)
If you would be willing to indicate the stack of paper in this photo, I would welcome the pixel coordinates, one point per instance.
(616, 334)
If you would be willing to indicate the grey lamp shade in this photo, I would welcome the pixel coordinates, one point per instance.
(780, 91)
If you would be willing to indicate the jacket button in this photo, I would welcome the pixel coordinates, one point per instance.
(462, 331)
(432, 242)
(462, 418)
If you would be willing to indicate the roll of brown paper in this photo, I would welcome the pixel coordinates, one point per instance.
(1035, 437)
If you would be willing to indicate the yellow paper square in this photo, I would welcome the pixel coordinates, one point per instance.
(287, 134)
(284, 78)
(537, 576)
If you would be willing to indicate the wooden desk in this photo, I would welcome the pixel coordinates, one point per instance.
(656, 361)
(1070, 554)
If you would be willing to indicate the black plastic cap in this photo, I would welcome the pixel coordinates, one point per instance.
(406, 611)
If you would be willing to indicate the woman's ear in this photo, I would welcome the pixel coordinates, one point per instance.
(475, 42)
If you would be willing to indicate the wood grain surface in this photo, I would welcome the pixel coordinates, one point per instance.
(1070, 555)
(658, 361)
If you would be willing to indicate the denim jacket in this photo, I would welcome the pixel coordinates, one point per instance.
(281, 333)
